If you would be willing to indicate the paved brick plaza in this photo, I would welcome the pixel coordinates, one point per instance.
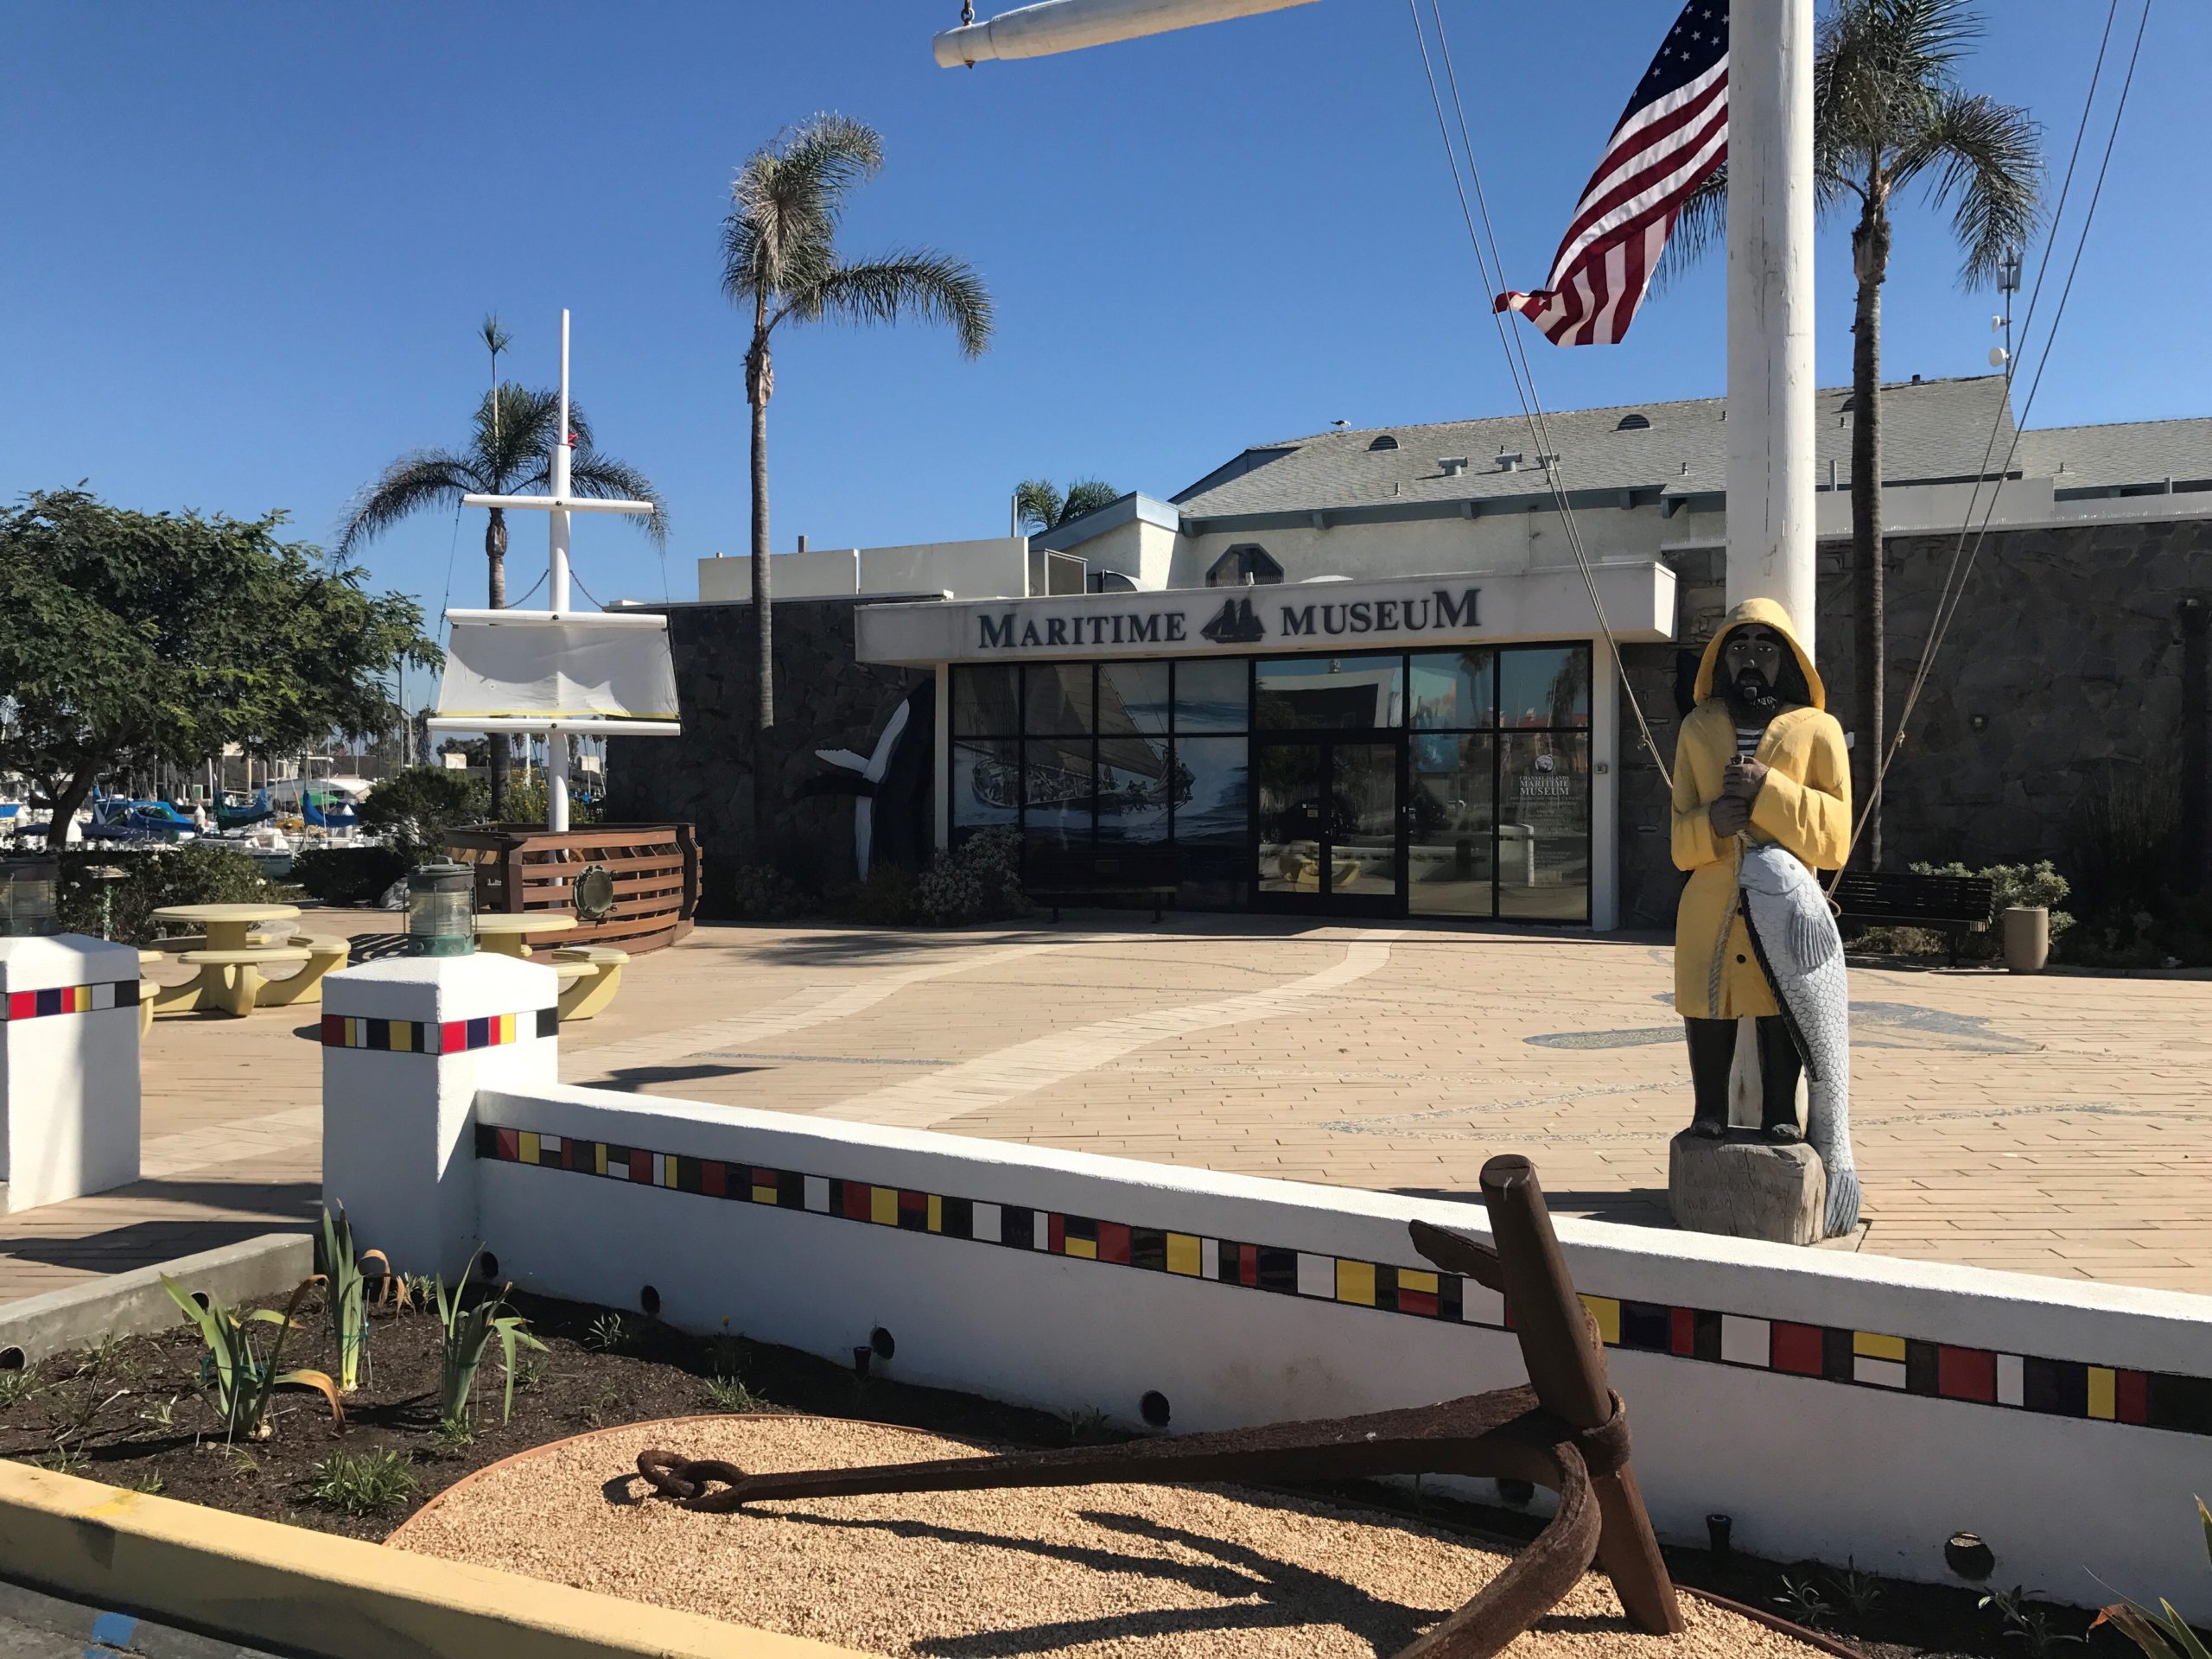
(2057, 1124)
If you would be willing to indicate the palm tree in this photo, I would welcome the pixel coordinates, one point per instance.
(780, 259)
(1888, 111)
(510, 451)
(1038, 502)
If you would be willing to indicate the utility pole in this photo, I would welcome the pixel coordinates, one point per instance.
(1769, 478)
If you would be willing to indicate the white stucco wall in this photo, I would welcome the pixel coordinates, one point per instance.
(69, 1099)
(993, 567)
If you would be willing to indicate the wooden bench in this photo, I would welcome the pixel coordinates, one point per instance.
(1953, 906)
(590, 975)
(1085, 875)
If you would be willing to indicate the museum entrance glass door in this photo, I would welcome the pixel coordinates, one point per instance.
(1328, 814)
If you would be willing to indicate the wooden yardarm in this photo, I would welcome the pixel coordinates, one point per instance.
(1567, 1431)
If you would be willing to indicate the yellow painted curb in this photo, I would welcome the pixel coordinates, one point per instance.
(287, 1587)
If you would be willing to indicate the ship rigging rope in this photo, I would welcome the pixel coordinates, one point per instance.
(1963, 555)
(1522, 374)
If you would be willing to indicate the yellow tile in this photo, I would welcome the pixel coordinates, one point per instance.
(764, 1195)
(883, 1206)
(1185, 1255)
(937, 1213)
(2103, 1386)
(506, 1028)
(402, 1036)
(1869, 1345)
(1355, 1282)
(667, 1161)
(1413, 1279)
(598, 1157)
(1086, 1248)
(527, 1140)
(1606, 1310)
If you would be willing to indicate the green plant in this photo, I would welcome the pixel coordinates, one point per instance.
(531, 1374)
(349, 876)
(730, 1393)
(1040, 504)
(242, 1461)
(978, 881)
(235, 1379)
(1858, 1591)
(1805, 1603)
(159, 1414)
(1088, 1425)
(467, 1332)
(888, 898)
(19, 1385)
(415, 1290)
(726, 1350)
(68, 1460)
(2027, 1622)
(760, 892)
(608, 1332)
(453, 1433)
(2164, 1633)
(2038, 884)
(148, 1485)
(345, 1294)
(156, 876)
(362, 1483)
(603, 1407)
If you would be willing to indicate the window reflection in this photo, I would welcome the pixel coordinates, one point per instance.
(1329, 693)
(1543, 685)
(1449, 860)
(1543, 830)
(1452, 688)
(986, 701)
(1211, 697)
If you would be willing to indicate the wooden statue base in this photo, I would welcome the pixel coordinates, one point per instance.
(1746, 1186)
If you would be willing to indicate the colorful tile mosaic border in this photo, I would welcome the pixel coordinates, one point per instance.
(429, 1037)
(1859, 1358)
(69, 999)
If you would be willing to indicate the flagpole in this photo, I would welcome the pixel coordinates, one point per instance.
(1769, 478)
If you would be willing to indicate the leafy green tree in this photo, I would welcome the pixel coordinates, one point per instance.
(131, 638)
(413, 809)
(1888, 113)
(1041, 505)
(509, 452)
(781, 261)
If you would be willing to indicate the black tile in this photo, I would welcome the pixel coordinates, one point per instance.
(2182, 1402)
(1920, 1370)
(549, 1023)
(1836, 1355)
(790, 1190)
(687, 1174)
(488, 1141)
(1450, 1291)
(1018, 1227)
(956, 1218)
(1705, 1334)
(1148, 1248)
(1278, 1269)
(1645, 1326)
(2060, 1387)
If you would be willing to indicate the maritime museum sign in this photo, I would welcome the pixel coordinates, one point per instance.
(1298, 616)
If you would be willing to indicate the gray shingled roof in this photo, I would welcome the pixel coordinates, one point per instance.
(2124, 454)
(1932, 429)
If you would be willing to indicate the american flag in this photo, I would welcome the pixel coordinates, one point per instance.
(1674, 133)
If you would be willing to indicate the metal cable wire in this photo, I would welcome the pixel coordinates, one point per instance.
(1522, 373)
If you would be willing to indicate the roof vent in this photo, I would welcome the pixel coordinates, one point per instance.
(1633, 423)
(1386, 441)
(1453, 465)
(1509, 460)
(1916, 380)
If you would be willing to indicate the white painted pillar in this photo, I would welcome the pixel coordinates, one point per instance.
(68, 1068)
(1771, 306)
(406, 1043)
(556, 581)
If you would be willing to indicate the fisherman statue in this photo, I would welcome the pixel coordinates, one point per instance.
(1761, 800)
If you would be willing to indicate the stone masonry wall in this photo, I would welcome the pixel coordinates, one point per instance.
(824, 699)
(2065, 652)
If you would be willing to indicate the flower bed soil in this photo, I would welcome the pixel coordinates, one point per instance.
(127, 1413)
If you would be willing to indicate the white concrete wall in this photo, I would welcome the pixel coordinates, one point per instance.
(1496, 540)
(1807, 1466)
(68, 1069)
(991, 569)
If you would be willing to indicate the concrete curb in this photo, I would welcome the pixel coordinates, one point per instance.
(243, 1579)
(129, 1304)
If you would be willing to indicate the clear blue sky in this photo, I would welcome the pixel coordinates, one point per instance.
(248, 245)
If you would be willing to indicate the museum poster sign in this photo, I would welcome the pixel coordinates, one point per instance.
(1299, 616)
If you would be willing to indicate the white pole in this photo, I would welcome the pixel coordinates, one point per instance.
(1040, 30)
(1771, 306)
(556, 744)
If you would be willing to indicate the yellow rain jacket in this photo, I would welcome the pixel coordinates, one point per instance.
(1805, 804)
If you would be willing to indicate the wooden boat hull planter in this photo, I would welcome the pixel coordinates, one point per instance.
(652, 868)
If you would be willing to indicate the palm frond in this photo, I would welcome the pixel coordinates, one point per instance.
(604, 477)
(424, 478)
(1701, 227)
(786, 203)
(496, 338)
(1037, 501)
(915, 282)
(1985, 161)
(1087, 495)
(523, 435)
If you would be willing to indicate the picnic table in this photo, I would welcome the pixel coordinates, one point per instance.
(235, 944)
(509, 932)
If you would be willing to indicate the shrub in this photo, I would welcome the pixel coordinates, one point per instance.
(362, 1483)
(349, 876)
(761, 892)
(153, 877)
(979, 880)
(2016, 884)
(414, 808)
(235, 1378)
(889, 897)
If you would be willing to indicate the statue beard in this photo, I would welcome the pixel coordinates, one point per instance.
(1753, 699)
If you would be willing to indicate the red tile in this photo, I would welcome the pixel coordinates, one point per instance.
(452, 1037)
(2132, 1397)
(1248, 1264)
(641, 1167)
(510, 1144)
(1797, 1348)
(333, 1031)
(23, 1004)
(1417, 1301)
(1056, 1236)
(1681, 1332)
(713, 1178)
(1113, 1243)
(1965, 1374)
(856, 1200)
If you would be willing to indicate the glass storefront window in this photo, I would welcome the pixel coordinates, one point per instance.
(1362, 693)
(986, 701)
(1448, 856)
(1543, 685)
(1451, 689)
(1211, 778)
(1211, 697)
(1543, 826)
(1132, 697)
(1057, 699)
(986, 783)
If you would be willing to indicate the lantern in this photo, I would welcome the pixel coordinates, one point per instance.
(30, 890)
(440, 910)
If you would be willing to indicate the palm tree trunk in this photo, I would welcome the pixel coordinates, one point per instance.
(1871, 255)
(495, 743)
(759, 385)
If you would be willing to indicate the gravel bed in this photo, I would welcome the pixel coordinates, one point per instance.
(1104, 1571)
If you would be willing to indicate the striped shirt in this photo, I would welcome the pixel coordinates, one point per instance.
(1747, 740)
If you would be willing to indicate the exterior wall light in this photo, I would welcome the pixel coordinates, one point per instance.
(441, 903)
(29, 889)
